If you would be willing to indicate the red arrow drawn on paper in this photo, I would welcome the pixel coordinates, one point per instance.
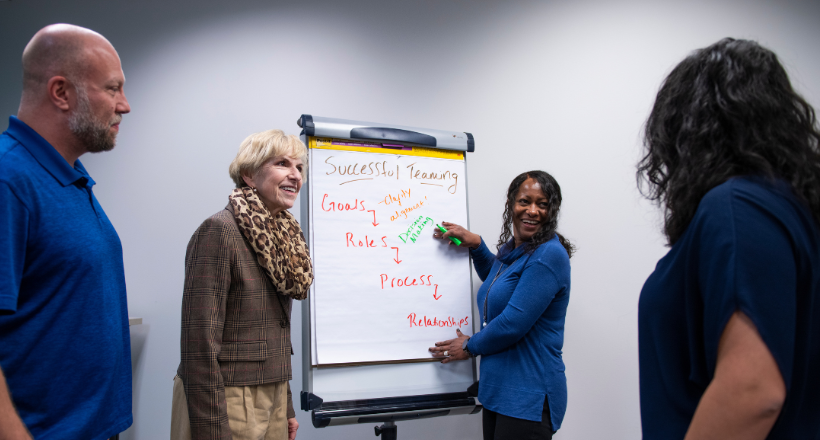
(434, 293)
(397, 255)
(374, 216)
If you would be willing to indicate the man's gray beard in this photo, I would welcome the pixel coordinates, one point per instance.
(92, 133)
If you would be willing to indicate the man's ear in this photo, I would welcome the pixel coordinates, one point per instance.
(58, 92)
(248, 181)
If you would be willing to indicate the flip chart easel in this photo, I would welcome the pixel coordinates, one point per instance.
(384, 288)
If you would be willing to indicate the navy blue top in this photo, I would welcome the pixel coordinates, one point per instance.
(752, 246)
(64, 342)
(521, 345)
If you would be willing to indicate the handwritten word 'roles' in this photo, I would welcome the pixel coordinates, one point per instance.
(366, 243)
(436, 322)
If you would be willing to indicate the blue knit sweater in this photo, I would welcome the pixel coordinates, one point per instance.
(520, 346)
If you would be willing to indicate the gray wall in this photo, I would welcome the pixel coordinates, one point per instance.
(561, 86)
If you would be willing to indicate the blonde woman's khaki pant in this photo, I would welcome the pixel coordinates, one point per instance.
(256, 412)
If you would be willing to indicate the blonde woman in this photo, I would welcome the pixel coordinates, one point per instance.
(243, 267)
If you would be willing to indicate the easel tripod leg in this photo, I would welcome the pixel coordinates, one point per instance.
(388, 431)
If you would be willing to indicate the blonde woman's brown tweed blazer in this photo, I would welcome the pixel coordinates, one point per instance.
(234, 331)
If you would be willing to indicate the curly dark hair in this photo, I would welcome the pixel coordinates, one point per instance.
(552, 191)
(727, 110)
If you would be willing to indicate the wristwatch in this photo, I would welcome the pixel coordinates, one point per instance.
(464, 348)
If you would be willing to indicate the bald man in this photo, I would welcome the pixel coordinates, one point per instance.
(65, 357)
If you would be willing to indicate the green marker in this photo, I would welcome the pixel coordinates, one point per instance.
(453, 239)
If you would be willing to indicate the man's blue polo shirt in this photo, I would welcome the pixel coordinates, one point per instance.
(64, 340)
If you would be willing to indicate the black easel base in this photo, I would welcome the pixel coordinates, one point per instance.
(388, 431)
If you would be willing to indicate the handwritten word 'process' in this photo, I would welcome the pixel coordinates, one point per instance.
(405, 282)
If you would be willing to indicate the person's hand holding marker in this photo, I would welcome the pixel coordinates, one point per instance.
(455, 232)
(453, 239)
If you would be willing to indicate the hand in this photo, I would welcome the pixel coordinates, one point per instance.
(452, 347)
(293, 425)
(467, 238)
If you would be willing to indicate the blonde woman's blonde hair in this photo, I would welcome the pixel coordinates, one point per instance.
(260, 147)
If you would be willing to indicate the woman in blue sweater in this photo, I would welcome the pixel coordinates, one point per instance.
(523, 303)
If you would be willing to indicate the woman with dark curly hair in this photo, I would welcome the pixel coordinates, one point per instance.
(523, 307)
(729, 322)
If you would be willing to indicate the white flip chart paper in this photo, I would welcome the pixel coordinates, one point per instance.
(385, 289)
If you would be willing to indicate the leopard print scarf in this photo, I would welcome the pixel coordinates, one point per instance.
(279, 244)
